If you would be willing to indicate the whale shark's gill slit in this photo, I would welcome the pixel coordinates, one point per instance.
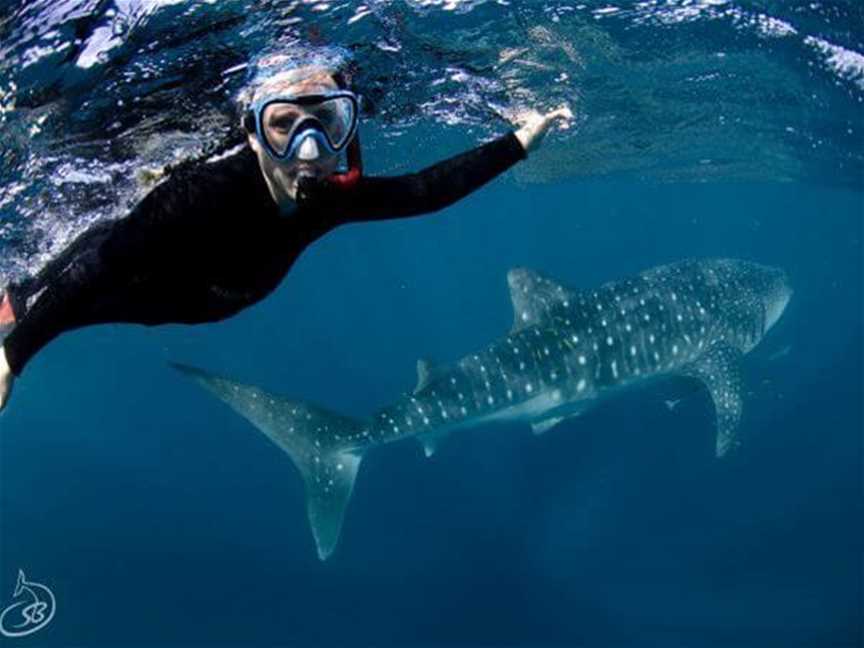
(319, 443)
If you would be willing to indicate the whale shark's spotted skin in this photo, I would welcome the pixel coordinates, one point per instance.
(566, 348)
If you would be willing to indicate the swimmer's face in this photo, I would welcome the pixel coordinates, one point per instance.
(282, 176)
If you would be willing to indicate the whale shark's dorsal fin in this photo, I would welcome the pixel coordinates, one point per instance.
(425, 369)
(720, 369)
(314, 439)
(534, 296)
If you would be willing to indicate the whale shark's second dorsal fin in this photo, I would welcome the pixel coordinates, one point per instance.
(317, 441)
(534, 296)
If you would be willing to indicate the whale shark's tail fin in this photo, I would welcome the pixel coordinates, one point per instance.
(318, 441)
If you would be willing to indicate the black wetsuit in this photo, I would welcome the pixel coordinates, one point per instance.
(211, 241)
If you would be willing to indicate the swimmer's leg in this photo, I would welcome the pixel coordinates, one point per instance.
(19, 293)
(70, 268)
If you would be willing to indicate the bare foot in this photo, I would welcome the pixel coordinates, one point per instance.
(7, 378)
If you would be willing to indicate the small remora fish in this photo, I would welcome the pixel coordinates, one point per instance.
(566, 349)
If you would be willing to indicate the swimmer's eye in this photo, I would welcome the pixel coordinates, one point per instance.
(282, 123)
(281, 117)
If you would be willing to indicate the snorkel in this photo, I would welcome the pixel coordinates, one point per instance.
(353, 156)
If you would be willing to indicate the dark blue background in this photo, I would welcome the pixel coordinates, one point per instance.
(160, 517)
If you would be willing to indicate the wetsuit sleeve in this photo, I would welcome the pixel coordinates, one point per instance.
(429, 190)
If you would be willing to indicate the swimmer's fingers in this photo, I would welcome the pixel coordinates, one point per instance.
(535, 125)
(562, 115)
(563, 111)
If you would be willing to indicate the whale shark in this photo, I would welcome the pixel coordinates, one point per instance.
(567, 350)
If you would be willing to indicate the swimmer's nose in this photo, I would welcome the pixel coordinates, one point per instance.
(308, 149)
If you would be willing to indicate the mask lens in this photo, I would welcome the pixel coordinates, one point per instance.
(337, 116)
(278, 121)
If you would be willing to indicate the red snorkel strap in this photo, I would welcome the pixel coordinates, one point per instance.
(355, 167)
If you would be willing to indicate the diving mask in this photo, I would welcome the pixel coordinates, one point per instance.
(287, 126)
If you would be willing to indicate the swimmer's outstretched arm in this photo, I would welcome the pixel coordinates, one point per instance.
(429, 190)
(434, 188)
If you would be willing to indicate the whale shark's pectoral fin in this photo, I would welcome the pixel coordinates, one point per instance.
(534, 296)
(430, 442)
(540, 427)
(720, 369)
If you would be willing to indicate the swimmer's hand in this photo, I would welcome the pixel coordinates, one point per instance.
(6, 379)
(535, 125)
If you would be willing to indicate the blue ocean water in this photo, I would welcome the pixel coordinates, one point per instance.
(159, 517)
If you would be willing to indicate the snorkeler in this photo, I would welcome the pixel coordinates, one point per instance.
(219, 236)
